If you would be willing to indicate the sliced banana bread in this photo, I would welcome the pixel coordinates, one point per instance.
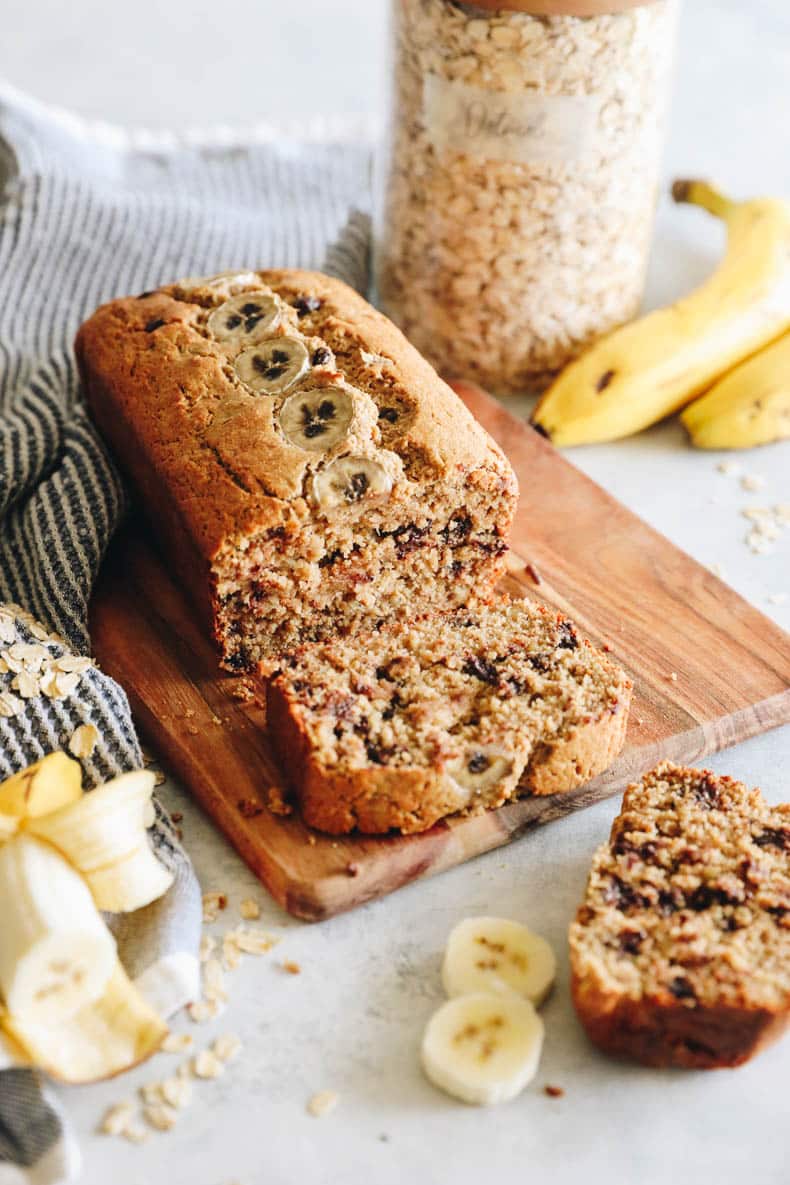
(680, 954)
(307, 472)
(406, 725)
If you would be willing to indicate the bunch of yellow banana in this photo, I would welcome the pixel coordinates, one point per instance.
(66, 1004)
(730, 339)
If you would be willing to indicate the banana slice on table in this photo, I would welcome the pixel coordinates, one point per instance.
(498, 955)
(273, 366)
(348, 480)
(317, 419)
(245, 319)
(483, 1048)
(115, 1032)
(56, 953)
(101, 832)
(53, 782)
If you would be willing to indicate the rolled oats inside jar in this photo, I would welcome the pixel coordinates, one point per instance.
(518, 187)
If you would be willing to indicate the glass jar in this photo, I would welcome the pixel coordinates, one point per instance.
(517, 191)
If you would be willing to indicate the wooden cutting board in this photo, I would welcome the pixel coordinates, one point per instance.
(663, 615)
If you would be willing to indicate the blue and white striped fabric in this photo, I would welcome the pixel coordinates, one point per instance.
(87, 214)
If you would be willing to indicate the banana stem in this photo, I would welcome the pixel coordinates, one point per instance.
(701, 193)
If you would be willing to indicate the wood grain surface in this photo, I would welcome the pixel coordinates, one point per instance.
(575, 547)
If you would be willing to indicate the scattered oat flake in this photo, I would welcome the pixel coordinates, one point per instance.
(177, 1043)
(777, 598)
(253, 941)
(66, 682)
(117, 1118)
(752, 482)
(76, 664)
(83, 740)
(212, 904)
(207, 947)
(717, 570)
(135, 1133)
(26, 684)
(7, 629)
(201, 1011)
(161, 1117)
(214, 980)
(151, 1093)
(10, 705)
(176, 1092)
(782, 512)
(729, 468)
(226, 1047)
(757, 512)
(291, 967)
(206, 1064)
(323, 1103)
(250, 909)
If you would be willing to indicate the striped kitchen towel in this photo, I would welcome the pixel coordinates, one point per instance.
(87, 213)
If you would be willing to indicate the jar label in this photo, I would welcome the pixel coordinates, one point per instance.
(529, 127)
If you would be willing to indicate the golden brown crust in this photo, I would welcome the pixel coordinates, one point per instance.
(155, 396)
(581, 755)
(679, 953)
(660, 1031)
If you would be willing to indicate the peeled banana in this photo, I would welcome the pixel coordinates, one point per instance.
(115, 1032)
(104, 836)
(66, 1004)
(645, 371)
(749, 406)
(56, 953)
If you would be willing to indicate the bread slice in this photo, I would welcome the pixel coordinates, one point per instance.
(306, 471)
(409, 724)
(680, 954)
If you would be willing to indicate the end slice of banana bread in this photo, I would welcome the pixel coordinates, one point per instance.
(409, 724)
(680, 954)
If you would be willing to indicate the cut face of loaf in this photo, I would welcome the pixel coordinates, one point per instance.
(407, 725)
(307, 472)
(680, 954)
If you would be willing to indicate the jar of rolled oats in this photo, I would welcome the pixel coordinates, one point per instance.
(518, 186)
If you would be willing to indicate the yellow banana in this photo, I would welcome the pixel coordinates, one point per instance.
(749, 406)
(645, 371)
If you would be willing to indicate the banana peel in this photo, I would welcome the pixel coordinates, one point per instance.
(102, 837)
(655, 366)
(749, 406)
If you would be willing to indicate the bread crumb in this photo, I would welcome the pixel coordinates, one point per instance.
(533, 573)
(291, 967)
(554, 1092)
(248, 809)
(161, 1117)
(323, 1103)
(673, 676)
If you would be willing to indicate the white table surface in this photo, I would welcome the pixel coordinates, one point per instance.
(351, 1021)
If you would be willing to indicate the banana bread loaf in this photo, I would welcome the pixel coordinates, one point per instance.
(401, 727)
(680, 954)
(306, 470)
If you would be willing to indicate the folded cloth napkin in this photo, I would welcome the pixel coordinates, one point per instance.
(87, 213)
